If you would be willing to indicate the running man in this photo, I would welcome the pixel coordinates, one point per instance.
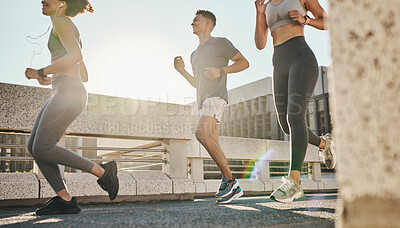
(210, 68)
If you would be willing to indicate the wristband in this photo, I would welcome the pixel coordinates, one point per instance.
(221, 71)
(307, 19)
(41, 73)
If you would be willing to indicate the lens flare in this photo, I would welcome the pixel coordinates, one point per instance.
(260, 163)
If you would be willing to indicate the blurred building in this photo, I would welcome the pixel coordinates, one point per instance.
(251, 111)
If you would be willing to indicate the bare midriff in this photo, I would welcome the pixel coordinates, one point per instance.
(71, 71)
(285, 33)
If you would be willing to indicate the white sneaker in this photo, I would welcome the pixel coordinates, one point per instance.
(328, 153)
(288, 191)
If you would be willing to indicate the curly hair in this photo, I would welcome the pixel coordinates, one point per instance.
(207, 14)
(75, 7)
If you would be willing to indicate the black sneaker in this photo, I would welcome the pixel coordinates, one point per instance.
(57, 205)
(109, 180)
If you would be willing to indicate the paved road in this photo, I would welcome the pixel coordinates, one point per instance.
(313, 210)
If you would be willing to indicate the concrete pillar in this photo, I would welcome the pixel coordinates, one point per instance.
(264, 174)
(316, 171)
(365, 101)
(39, 173)
(197, 170)
(177, 159)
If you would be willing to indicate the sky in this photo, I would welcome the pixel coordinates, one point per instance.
(129, 45)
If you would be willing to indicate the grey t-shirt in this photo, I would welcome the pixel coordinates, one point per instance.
(215, 52)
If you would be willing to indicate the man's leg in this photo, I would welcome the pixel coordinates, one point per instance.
(207, 134)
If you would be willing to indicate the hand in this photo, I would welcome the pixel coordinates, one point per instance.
(296, 16)
(260, 6)
(44, 81)
(31, 73)
(212, 72)
(179, 64)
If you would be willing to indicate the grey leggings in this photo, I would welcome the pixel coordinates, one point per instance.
(68, 99)
(294, 78)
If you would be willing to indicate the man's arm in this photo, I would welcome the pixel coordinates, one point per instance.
(240, 63)
(180, 67)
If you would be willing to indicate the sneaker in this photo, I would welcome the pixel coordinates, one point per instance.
(57, 205)
(328, 153)
(236, 193)
(288, 191)
(227, 186)
(109, 180)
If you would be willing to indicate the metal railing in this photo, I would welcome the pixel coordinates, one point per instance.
(246, 167)
(146, 158)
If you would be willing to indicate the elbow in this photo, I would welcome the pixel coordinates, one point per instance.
(260, 46)
(260, 42)
(247, 64)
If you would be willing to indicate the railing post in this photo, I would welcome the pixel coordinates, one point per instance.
(36, 169)
(165, 156)
(176, 157)
(264, 173)
(316, 171)
(196, 169)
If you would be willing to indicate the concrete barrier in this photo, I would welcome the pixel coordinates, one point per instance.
(170, 125)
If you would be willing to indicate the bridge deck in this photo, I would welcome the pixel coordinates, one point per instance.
(313, 210)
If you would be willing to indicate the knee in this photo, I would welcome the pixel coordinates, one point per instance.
(283, 123)
(38, 151)
(201, 136)
(285, 127)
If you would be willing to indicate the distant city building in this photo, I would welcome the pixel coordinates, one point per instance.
(251, 112)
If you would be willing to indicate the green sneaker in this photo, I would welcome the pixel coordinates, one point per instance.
(328, 154)
(227, 186)
(288, 191)
(236, 193)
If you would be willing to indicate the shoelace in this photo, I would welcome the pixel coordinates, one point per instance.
(326, 154)
(287, 184)
(224, 184)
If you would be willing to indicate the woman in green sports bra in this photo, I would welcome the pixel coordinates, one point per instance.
(68, 99)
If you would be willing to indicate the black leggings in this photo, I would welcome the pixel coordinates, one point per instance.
(68, 99)
(294, 79)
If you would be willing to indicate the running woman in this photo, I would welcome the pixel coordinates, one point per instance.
(294, 78)
(210, 68)
(68, 99)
